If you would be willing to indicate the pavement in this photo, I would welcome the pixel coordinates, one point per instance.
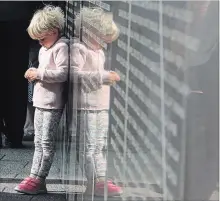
(15, 164)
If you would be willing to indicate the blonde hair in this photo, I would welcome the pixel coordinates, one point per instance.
(96, 18)
(45, 20)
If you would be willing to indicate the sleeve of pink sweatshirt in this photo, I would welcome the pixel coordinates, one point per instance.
(91, 80)
(61, 61)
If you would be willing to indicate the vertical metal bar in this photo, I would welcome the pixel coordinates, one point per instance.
(219, 91)
(81, 6)
(78, 126)
(109, 51)
(126, 92)
(183, 137)
(163, 133)
(65, 138)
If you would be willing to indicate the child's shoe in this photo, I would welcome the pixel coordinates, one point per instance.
(31, 186)
(112, 189)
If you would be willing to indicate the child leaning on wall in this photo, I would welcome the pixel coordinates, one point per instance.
(33, 62)
(92, 84)
(46, 26)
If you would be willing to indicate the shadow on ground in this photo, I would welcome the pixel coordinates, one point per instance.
(21, 197)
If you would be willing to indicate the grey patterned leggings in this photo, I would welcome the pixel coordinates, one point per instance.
(46, 124)
(93, 132)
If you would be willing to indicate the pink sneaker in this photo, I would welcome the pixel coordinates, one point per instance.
(31, 186)
(112, 189)
(27, 179)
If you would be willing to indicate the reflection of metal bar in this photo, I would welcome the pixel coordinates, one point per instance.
(78, 128)
(162, 96)
(126, 92)
(196, 92)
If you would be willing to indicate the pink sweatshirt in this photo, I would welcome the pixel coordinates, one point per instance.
(52, 73)
(88, 74)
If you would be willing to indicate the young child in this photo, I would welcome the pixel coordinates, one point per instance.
(46, 26)
(93, 92)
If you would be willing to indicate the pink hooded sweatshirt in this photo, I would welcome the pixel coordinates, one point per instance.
(52, 73)
(90, 79)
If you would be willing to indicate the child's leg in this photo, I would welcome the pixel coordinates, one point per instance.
(101, 142)
(32, 185)
(88, 130)
(100, 158)
(51, 119)
(94, 128)
(38, 153)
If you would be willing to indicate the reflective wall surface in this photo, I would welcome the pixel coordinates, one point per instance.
(163, 139)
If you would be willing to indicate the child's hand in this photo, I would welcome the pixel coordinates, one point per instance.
(31, 74)
(110, 78)
(26, 74)
(113, 77)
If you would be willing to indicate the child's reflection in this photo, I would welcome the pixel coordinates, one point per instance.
(87, 70)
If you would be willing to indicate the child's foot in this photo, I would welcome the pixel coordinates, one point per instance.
(31, 186)
(112, 189)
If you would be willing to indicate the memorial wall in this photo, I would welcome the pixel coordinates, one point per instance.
(148, 107)
(158, 44)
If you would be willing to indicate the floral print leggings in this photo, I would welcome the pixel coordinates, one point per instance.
(46, 123)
